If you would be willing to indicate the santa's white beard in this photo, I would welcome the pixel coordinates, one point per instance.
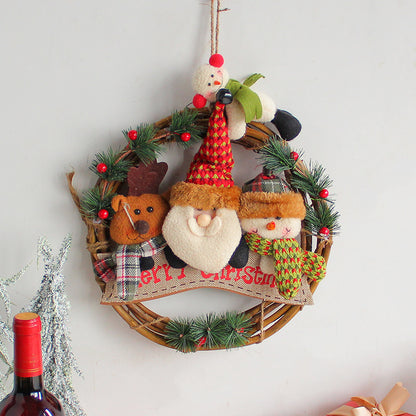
(204, 248)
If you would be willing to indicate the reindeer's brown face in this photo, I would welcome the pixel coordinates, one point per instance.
(137, 218)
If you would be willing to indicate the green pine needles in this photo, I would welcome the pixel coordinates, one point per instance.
(311, 181)
(278, 157)
(211, 331)
(110, 166)
(185, 122)
(93, 201)
(143, 146)
(179, 334)
(323, 215)
(237, 327)
(142, 142)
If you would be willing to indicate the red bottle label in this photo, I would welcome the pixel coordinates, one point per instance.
(27, 345)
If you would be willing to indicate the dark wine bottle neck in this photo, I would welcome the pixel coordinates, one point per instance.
(27, 385)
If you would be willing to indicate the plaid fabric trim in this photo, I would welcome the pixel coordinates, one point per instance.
(128, 269)
(263, 183)
(104, 269)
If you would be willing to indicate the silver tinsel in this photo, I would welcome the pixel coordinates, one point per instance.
(52, 305)
(6, 332)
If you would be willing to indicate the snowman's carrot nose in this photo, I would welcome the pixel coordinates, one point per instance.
(271, 225)
(217, 83)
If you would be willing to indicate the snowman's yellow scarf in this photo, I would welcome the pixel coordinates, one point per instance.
(291, 261)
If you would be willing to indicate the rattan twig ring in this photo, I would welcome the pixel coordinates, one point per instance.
(266, 318)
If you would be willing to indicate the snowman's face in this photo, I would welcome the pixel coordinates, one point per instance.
(208, 80)
(272, 228)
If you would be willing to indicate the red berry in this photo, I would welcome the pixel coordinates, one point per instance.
(199, 101)
(324, 231)
(103, 214)
(185, 137)
(294, 155)
(132, 134)
(202, 341)
(324, 193)
(216, 60)
(102, 167)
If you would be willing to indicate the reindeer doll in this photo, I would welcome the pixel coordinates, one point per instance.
(137, 229)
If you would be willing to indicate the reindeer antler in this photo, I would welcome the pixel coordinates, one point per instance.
(145, 179)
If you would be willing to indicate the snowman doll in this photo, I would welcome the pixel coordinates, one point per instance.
(271, 217)
(247, 105)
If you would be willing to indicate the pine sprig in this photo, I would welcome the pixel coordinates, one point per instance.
(116, 169)
(210, 331)
(143, 145)
(276, 156)
(311, 181)
(92, 202)
(323, 215)
(237, 326)
(180, 335)
(185, 122)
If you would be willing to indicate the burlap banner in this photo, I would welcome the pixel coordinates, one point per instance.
(164, 280)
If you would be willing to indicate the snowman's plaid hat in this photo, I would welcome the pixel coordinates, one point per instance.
(209, 183)
(269, 196)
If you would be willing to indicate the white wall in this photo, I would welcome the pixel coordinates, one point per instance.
(75, 73)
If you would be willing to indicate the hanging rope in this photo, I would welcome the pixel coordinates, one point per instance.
(215, 24)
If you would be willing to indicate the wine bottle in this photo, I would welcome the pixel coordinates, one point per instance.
(29, 397)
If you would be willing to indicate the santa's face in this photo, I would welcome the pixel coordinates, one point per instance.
(204, 239)
(208, 80)
(272, 228)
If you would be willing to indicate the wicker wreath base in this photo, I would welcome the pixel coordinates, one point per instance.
(266, 318)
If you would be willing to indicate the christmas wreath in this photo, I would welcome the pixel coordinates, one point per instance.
(269, 239)
(138, 239)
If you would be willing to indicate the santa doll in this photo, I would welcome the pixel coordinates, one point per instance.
(202, 228)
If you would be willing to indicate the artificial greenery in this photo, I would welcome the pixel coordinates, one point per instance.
(229, 330)
(144, 146)
(277, 157)
(179, 333)
(94, 200)
(236, 328)
(185, 122)
(311, 181)
(117, 166)
(209, 330)
(323, 215)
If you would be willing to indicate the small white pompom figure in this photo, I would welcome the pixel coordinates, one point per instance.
(212, 79)
(271, 217)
